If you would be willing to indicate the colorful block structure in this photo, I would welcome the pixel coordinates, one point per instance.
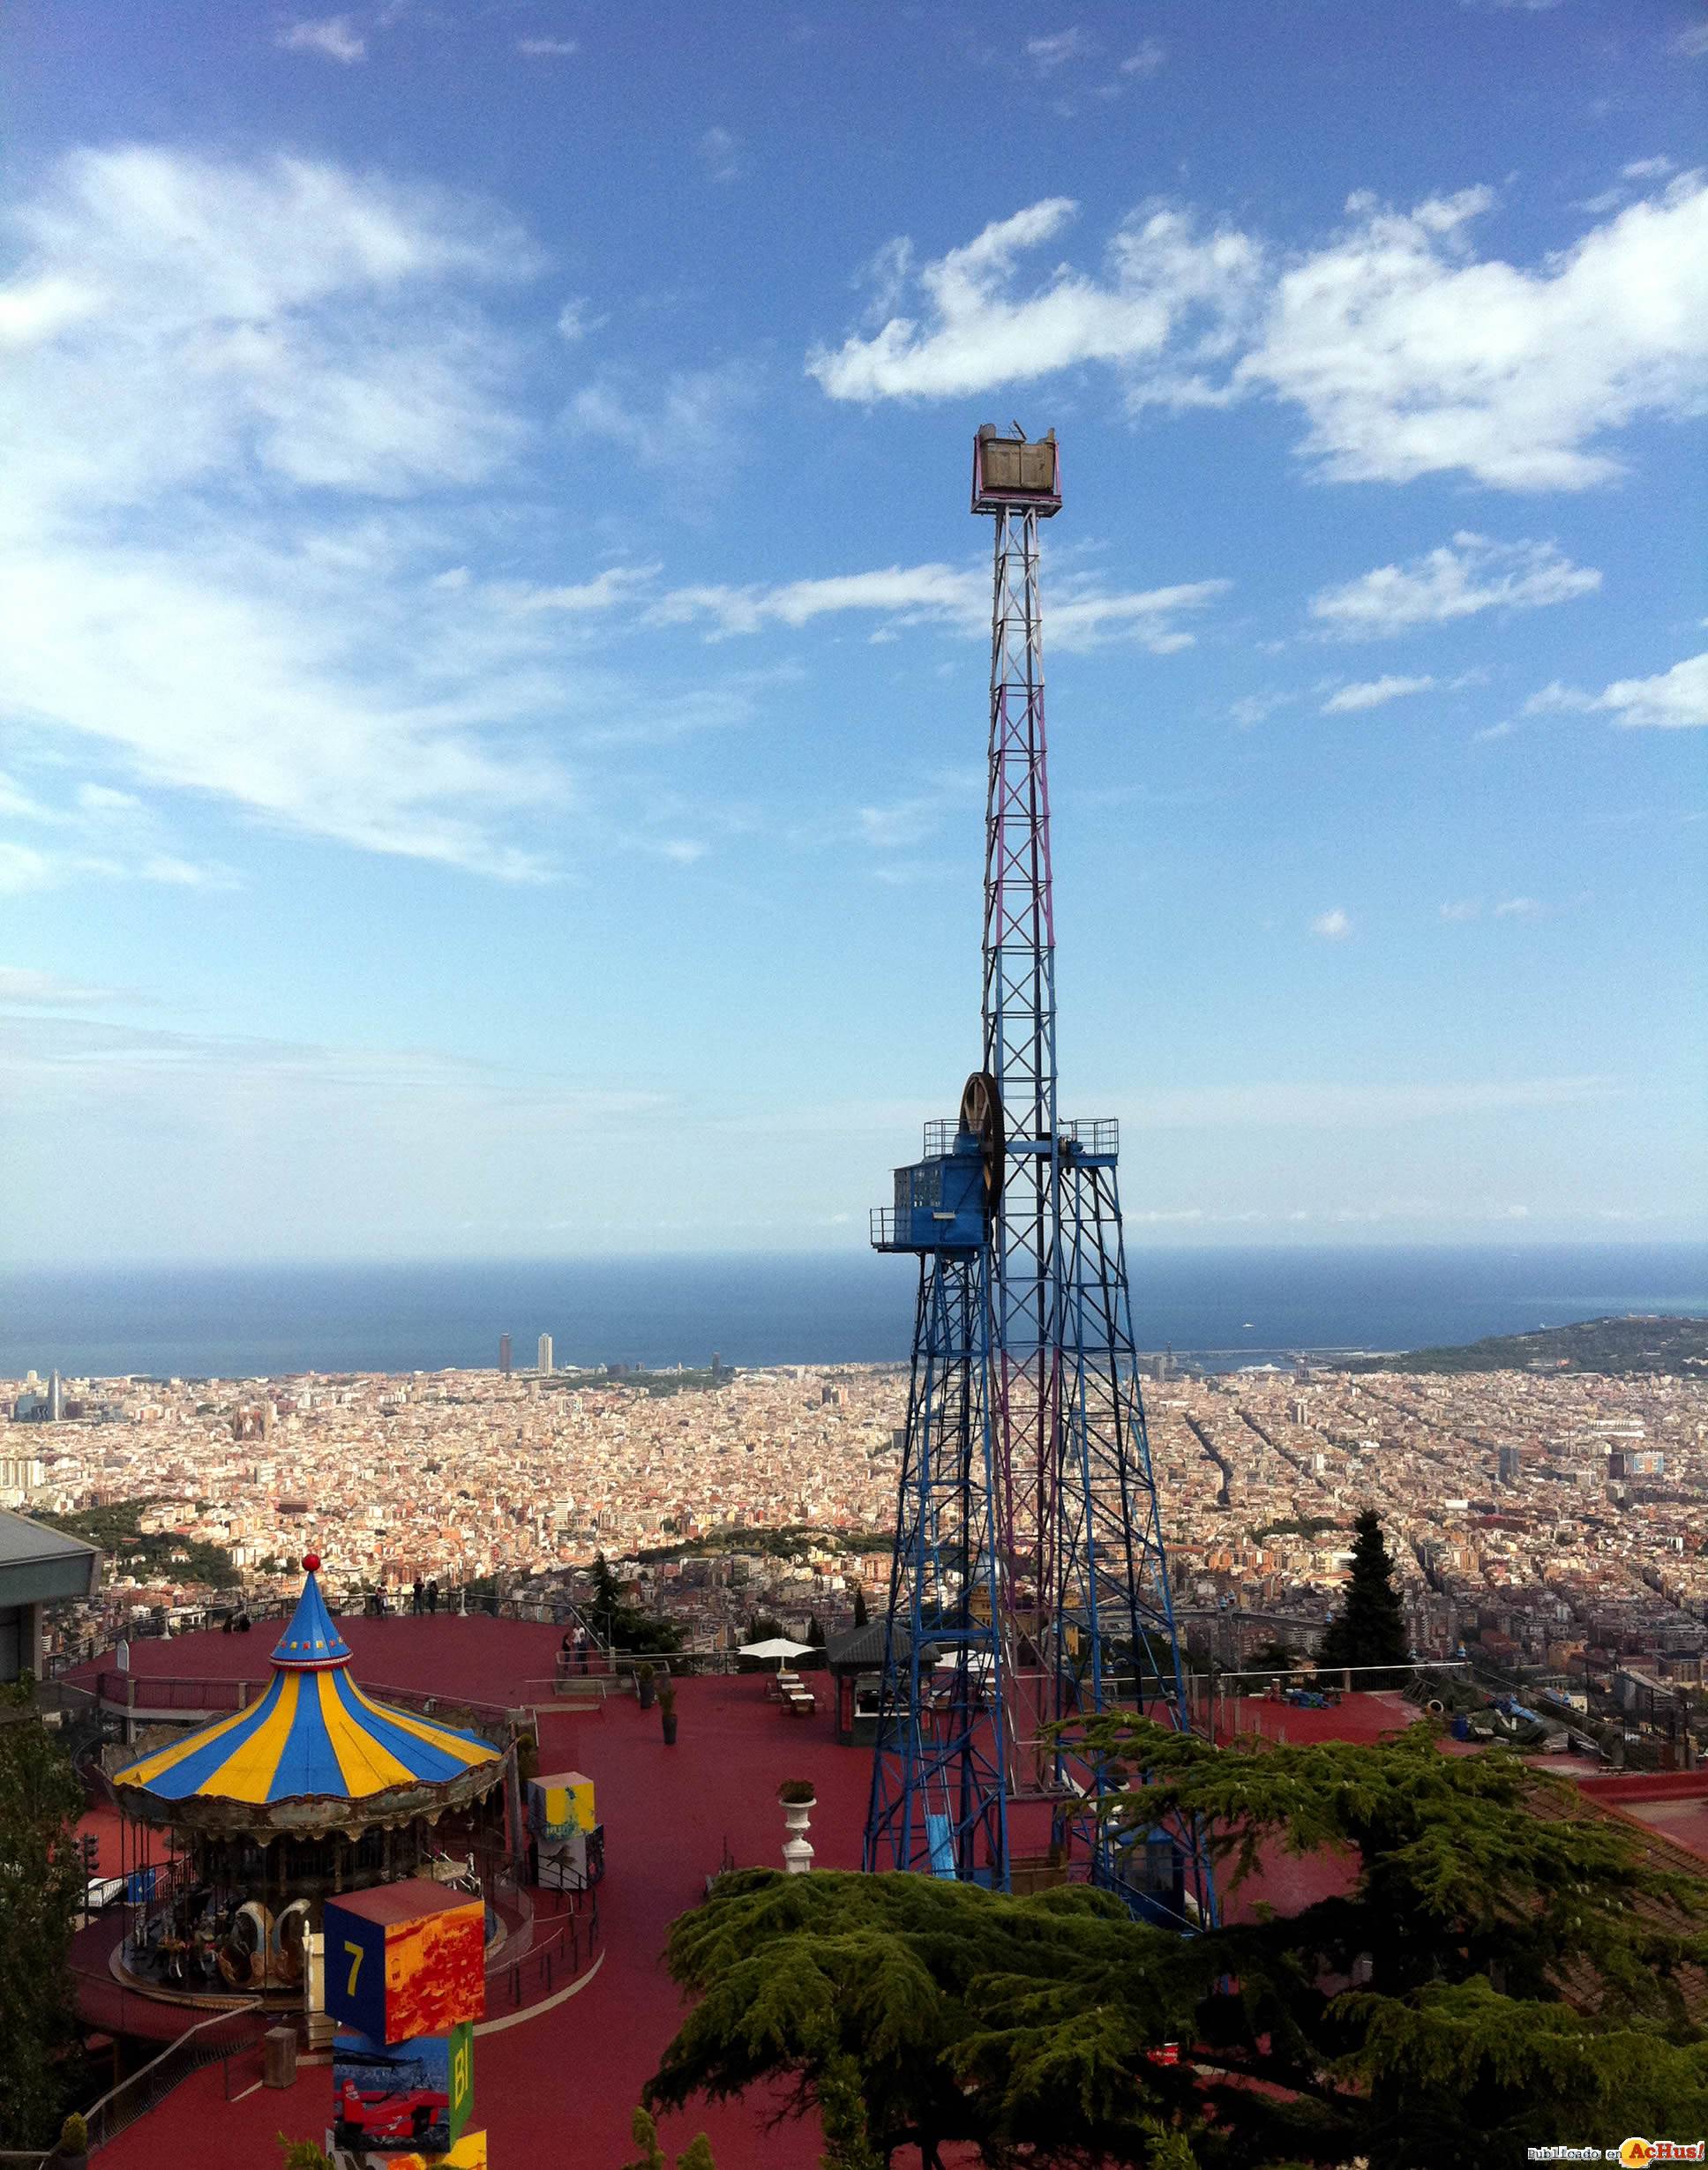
(559, 1805)
(468, 2154)
(405, 1960)
(392, 2096)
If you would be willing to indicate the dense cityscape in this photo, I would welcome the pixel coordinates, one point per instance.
(1553, 1523)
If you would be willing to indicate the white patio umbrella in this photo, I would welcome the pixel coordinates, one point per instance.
(774, 1646)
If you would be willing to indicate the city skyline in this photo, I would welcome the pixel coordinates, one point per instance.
(491, 653)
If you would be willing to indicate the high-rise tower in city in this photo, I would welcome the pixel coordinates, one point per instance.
(545, 1354)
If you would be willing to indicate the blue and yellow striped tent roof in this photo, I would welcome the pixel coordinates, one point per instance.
(313, 1734)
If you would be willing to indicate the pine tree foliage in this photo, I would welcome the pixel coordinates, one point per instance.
(957, 2015)
(40, 1882)
(1369, 1629)
(696, 2156)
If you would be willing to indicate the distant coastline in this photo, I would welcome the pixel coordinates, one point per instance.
(1227, 1308)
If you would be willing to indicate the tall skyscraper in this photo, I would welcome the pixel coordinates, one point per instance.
(56, 1400)
(545, 1354)
(1509, 1465)
(504, 1355)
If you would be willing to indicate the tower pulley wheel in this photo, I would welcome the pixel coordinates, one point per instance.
(981, 1117)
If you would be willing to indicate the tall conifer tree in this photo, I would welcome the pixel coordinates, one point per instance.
(1369, 1629)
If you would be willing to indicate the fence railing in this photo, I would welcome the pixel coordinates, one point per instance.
(564, 1950)
(210, 2041)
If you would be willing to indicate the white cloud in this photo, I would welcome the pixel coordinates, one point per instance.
(1333, 926)
(1519, 908)
(689, 431)
(1692, 41)
(617, 585)
(575, 320)
(22, 867)
(1049, 53)
(1460, 580)
(1647, 169)
(1255, 708)
(546, 49)
(1084, 617)
(1146, 60)
(1160, 277)
(1674, 699)
(24, 988)
(1408, 354)
(273, 358)
(330, 36)
(720, 151)
(1466, 909)
(1373, 693)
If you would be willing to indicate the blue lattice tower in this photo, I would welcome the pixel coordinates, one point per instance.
(1080, 1616)
(938, 1798)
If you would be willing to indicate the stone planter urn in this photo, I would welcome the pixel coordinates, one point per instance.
(797, 1850)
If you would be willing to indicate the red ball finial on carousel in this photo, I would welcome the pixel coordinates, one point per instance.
(311, 1561)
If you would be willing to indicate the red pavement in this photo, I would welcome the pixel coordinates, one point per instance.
(559, 2088)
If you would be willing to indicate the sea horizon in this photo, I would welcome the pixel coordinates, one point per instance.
(1227, 1308)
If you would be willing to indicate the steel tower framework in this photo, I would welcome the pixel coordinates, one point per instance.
(1028, 1581)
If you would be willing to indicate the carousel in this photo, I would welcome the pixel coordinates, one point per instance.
(315, 1790)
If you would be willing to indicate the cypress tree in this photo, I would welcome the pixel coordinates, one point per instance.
(1369, 1629)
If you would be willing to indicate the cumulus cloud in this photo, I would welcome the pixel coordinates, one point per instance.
(1333, 926)
(1407, 353)
(1373, 693)
(1461, 579)
(1161, 280)
(1674, 699)
(330, 36)
(1410, 356)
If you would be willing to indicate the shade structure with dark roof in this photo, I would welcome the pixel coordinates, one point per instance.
(38, 1567)
(313, 1755)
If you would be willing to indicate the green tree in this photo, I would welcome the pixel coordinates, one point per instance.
(696, 2156)
(625, 1627)
(1369, 1629)
(1476, 1898)
(859, 1604)
(40, 1882)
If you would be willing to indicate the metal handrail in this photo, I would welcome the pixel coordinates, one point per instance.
(137, 2095)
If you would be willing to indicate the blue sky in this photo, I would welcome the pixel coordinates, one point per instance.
(493, 642)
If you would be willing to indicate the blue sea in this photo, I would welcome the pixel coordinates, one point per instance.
(1224, 1307)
